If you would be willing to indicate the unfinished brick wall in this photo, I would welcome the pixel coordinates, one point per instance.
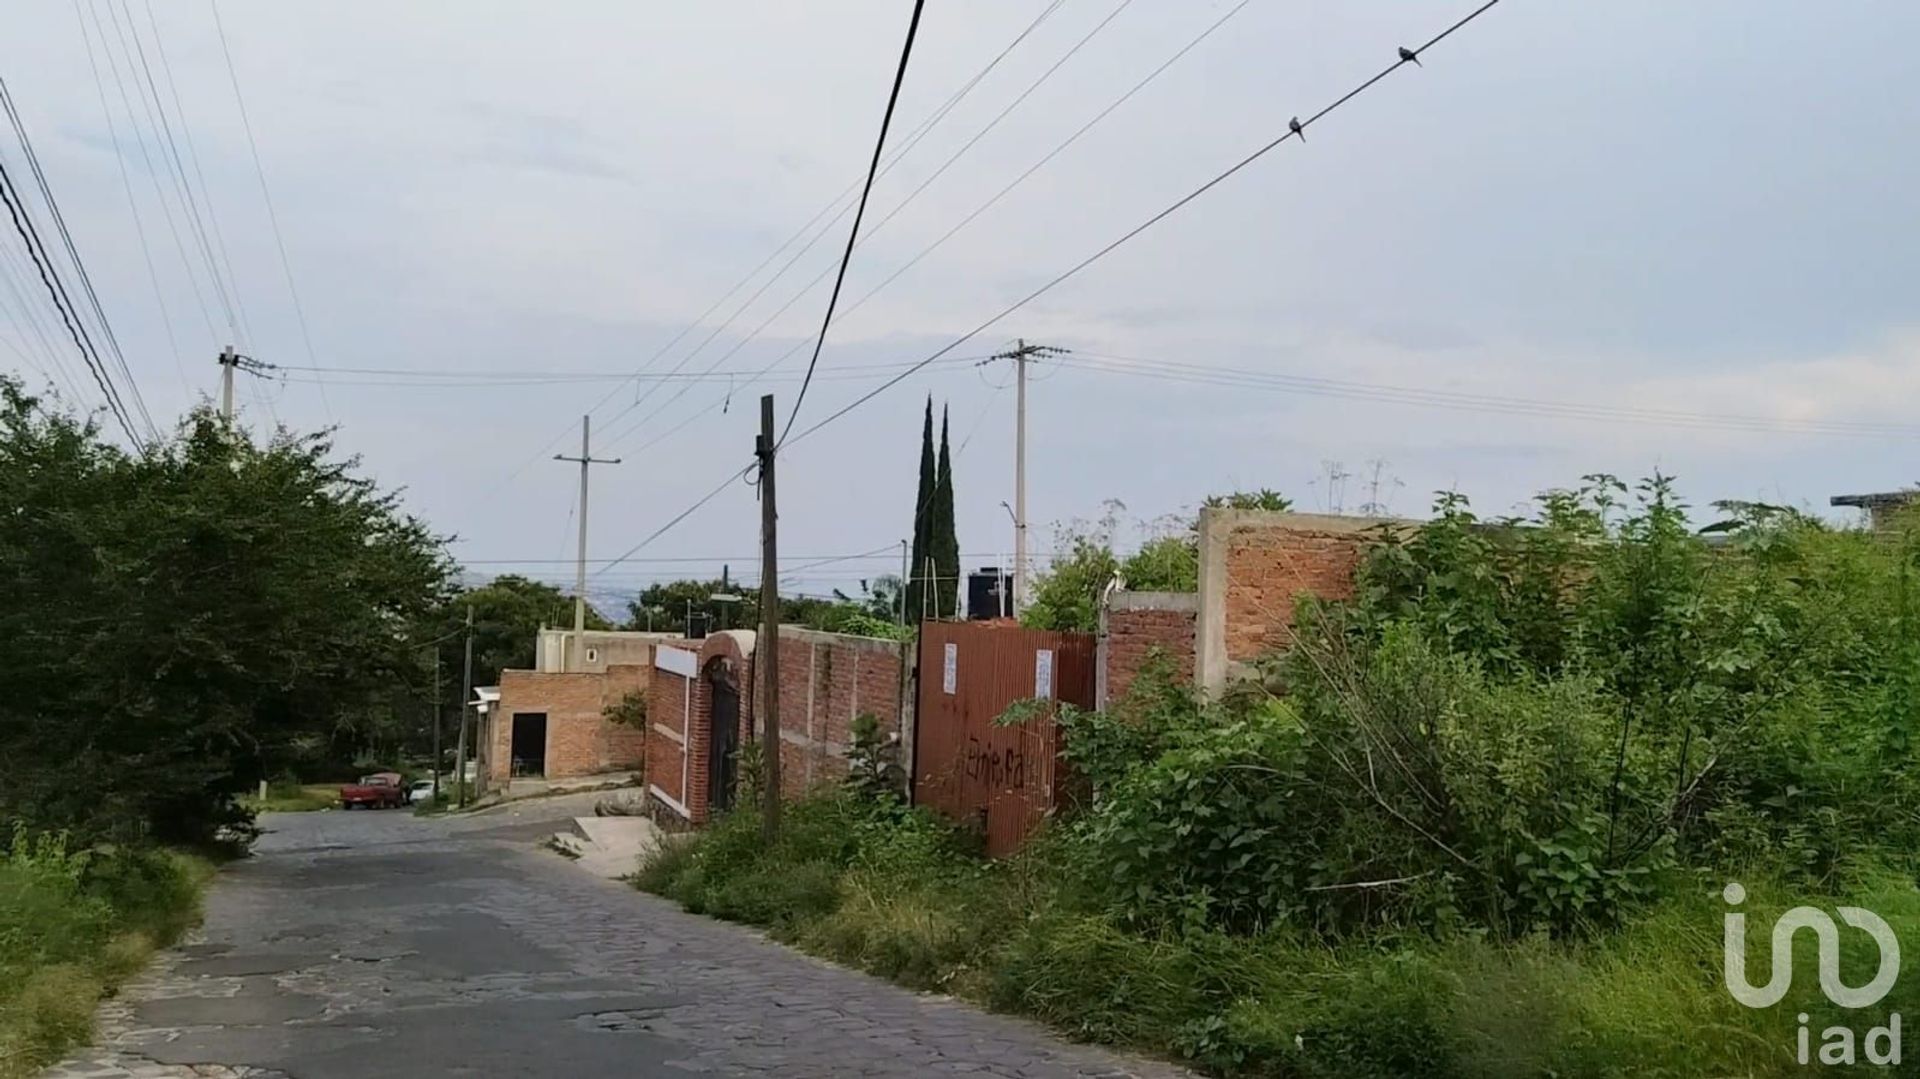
(580, 740)
(826, 679)
(669, 699)
(1140, 625)
(1254, 566)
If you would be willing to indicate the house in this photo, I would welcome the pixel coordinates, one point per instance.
(553, 722)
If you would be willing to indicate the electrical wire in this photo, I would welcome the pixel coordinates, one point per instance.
(1197, 374)
(49, 277)
(859, 215)
(156, 109)
(193, 154)
(266, 196)
(913, 139)
(153, 170)
(73, 256)
(133, 205)
(971, 217)
(1295, 130)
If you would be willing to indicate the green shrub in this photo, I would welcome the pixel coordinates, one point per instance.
(73, 923)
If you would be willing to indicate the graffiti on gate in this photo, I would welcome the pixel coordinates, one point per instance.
(996, 766)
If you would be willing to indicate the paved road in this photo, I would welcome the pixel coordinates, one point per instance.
(377, 944)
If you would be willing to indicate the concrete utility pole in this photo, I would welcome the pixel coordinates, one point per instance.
(587, 460)
(436, 725)
(231, 361)
(1021, 355)
(466, 697)
(767, 648)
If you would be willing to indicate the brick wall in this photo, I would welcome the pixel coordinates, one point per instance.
(669, 698)
(580, 740)
(680, 718)
(1139, 625)
(826, 679)
(1254, 566)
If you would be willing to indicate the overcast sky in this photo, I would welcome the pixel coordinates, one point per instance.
(1708, 208)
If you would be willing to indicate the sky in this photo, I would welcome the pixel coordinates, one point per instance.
(1649, 216)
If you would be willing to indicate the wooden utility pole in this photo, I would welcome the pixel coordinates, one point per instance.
(466, 697)
(587, 460)
(767, 648)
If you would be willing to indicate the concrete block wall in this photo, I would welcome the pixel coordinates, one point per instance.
(1139, 625)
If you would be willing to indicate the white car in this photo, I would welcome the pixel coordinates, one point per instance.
(421, 791)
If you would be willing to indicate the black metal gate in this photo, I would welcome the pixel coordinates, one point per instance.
(723, 754)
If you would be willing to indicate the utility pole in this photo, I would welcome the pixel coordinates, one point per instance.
(466, 696)
(900, 599)
(1021, 355)
(436, 725)
(229, 362)
(768, 646)
(587, 460)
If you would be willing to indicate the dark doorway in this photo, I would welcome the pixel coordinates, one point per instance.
(529, 743)
(723, 750)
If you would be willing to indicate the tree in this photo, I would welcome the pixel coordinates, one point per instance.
(182, 623)
(922, 515)
(664, 607)
(508, 612)
(943, 543)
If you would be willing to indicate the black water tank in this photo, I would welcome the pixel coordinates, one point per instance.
(989, 594)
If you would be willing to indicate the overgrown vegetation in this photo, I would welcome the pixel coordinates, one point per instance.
(1067, 595)
(1484, 832)
(73, 925)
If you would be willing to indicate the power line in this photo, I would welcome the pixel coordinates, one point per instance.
(193, 152)
(133, 206)
(153, 171)
(1295, 129)
(73, 256)
(266, 195)
(446, 378)
(971, 217)
(871, 233)
(156, 109)
(49, 277)
(913, 139)
(1197, 374)
(859, 215)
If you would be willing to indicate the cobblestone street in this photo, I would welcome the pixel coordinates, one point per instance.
(377, 944)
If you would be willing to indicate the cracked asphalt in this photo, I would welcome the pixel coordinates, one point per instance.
(379, 944)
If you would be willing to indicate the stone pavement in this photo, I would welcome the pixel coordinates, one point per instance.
(378, 944)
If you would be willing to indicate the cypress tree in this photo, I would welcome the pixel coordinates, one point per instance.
(922, 515)
(943, 542)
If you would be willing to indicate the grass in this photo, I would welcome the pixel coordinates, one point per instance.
(295, 798)
(898, 896)
(73, 927)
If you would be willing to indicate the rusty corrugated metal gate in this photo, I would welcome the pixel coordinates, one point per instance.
(1001, 779)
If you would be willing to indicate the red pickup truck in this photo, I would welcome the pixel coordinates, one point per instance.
(382, 790)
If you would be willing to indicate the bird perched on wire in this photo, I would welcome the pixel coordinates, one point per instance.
(1408, 56)
(1293, 125)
